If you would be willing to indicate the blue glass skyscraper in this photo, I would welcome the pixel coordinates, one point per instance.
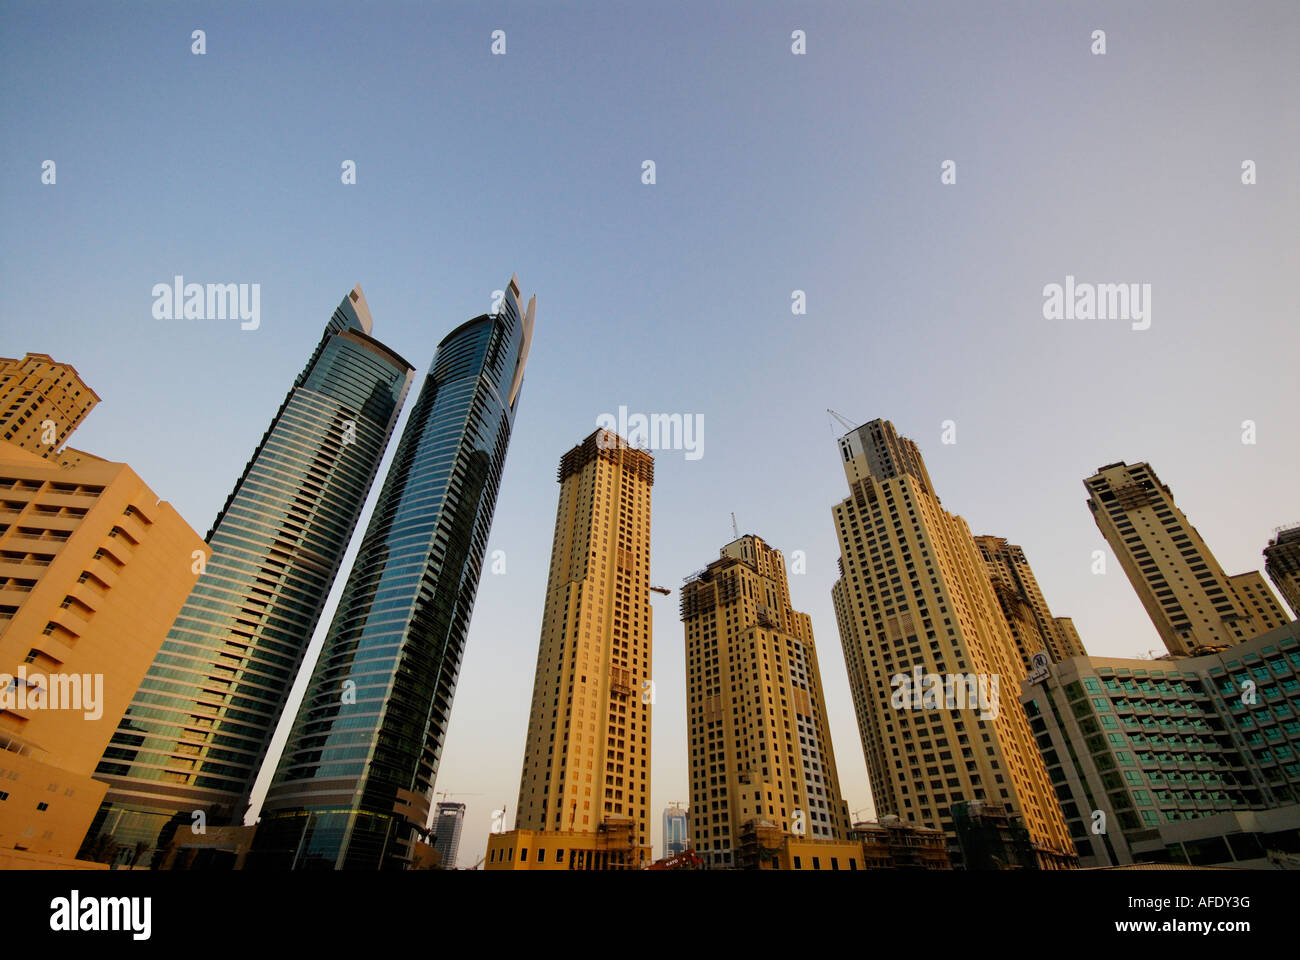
(676, 832)
(355, 781)
(197, 731)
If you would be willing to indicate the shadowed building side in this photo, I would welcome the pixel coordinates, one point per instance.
(1282, 564)
(1032, 624)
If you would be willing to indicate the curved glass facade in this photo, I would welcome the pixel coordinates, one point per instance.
(354, 784)
(198, 729)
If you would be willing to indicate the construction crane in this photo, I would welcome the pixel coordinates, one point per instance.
(847, 425)
(455, 793)
(664, 590)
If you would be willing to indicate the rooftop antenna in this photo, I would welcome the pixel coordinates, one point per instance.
(735, 530)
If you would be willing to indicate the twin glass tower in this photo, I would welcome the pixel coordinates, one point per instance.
(355, 780)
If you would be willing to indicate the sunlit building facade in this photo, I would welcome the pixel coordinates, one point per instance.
(1194, 605)
(761, 762)
(584, 794)
(41, 402)
(915, 600)
(93, 567)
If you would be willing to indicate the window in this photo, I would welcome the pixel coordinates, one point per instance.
(42, 806)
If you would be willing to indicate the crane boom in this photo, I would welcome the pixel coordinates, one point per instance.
(842, 420)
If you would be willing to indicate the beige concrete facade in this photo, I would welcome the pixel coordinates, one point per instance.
(915, 596)
(587, 757)
(24, 860)
(1255, 595)
(93, 568)
(41, 402)
(1068, 642)
(806, 853)
(605, 848)
(1192, 602)
(760, 746)
(1023, 604)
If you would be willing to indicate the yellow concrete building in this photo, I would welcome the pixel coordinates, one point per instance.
(1253, 591)
(916, 608)
(1192, 602)
(806, 853)
(41, 402)
(93, 568)
(1023, 604)
(763, 775)
(584, 796)
(1067, 638)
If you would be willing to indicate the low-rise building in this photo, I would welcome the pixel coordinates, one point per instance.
(1135, 747)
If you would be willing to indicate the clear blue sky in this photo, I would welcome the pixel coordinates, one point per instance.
(775, 173)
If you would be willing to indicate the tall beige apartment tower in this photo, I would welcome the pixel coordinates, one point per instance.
(584, 796)
(916, 609)
(760, 747)
(1023, 604)
(1282, 563)
(41, 402)
(1192, 602)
